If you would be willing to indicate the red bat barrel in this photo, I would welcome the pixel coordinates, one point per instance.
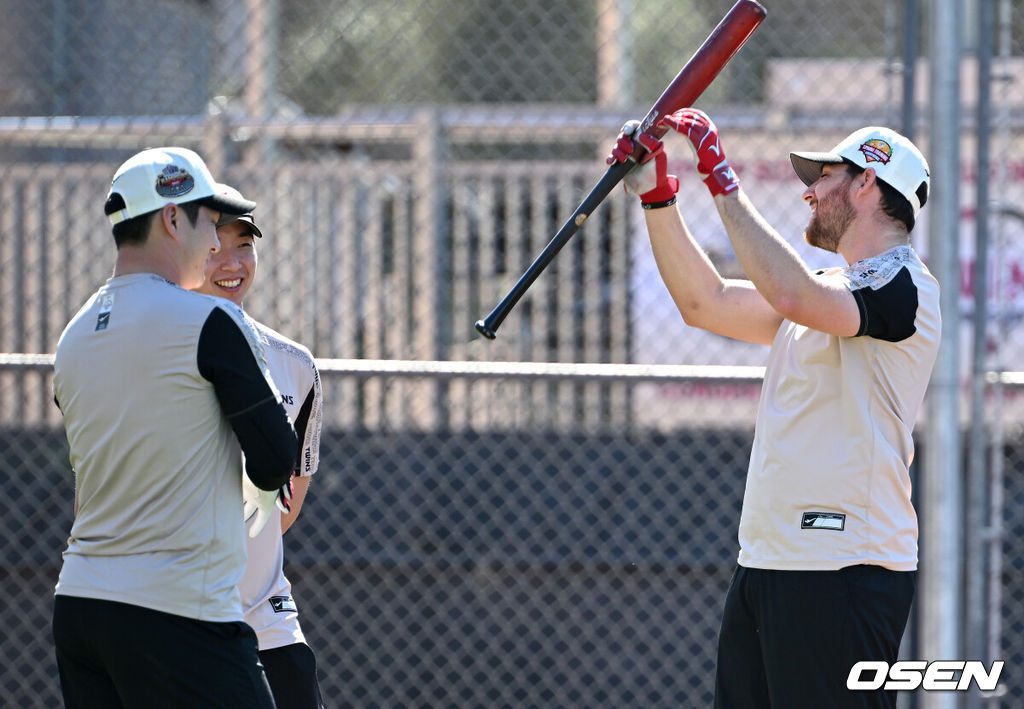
(691, 81)
(706, 63)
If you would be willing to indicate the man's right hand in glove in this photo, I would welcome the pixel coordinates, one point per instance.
(702, 132)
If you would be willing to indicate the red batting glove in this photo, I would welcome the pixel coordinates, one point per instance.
(712, 166)
(649, 179)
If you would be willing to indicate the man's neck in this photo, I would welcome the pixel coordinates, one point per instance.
(865, 240)
(132, 259)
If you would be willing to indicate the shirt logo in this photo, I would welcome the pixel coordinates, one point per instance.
(103, 318)
(283, 604)
(823, 520)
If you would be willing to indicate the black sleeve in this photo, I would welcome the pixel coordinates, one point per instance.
(301, 424)
(302, 419)
(888, 313)
(256, 416)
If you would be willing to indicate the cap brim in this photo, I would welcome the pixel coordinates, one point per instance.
(808, 165)
(227, 203)
(247, 218)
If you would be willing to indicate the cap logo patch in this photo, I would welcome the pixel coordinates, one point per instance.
(876, 150)
(174, 182)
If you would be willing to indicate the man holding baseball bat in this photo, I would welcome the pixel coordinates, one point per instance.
(288, 661)
(828, 535)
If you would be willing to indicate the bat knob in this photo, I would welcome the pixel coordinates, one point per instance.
(482, 328)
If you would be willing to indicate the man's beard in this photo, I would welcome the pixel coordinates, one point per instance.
(832, 216)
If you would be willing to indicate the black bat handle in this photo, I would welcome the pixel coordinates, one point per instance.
(488, 326)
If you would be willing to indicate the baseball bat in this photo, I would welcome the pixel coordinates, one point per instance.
(691, 81)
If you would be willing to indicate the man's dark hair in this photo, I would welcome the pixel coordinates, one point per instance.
(134, 231)
(894, 204)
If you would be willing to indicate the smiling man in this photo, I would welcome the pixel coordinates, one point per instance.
(289, 663)
(827, 531)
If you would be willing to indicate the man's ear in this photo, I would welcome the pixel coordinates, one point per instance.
(868, 177)
(864, 181)
(169, 217)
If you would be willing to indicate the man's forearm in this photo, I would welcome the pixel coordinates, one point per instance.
(728, 307)
(774, 267)
(691, 278)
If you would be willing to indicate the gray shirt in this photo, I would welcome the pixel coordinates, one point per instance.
(154, 382)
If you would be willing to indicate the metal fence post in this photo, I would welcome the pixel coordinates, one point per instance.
(426, 239)
(974, 558)
(941, 546)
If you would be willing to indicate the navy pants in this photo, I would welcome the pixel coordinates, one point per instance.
(789, 638)
(112, 655)
(291, 671)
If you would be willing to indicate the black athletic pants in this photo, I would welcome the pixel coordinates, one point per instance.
(291, 671)
(112, 655)
(789, 638)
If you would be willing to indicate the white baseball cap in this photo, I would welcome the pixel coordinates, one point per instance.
(158, 176)
(895, 160)
(226, 218)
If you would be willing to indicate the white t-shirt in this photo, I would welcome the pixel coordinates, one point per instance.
(828, 484)
(266, 592)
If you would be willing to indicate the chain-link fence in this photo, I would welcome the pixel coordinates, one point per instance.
(481, 566)
(506, 537)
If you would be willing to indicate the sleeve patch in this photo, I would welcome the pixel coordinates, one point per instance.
(876, 272)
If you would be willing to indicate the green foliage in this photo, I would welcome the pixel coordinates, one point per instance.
(350, 52)
(415, 52)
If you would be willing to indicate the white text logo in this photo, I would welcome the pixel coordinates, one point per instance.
(911, 674)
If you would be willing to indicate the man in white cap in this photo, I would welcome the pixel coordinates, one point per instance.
(827, 532)
(267, 602)
(161, 389)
